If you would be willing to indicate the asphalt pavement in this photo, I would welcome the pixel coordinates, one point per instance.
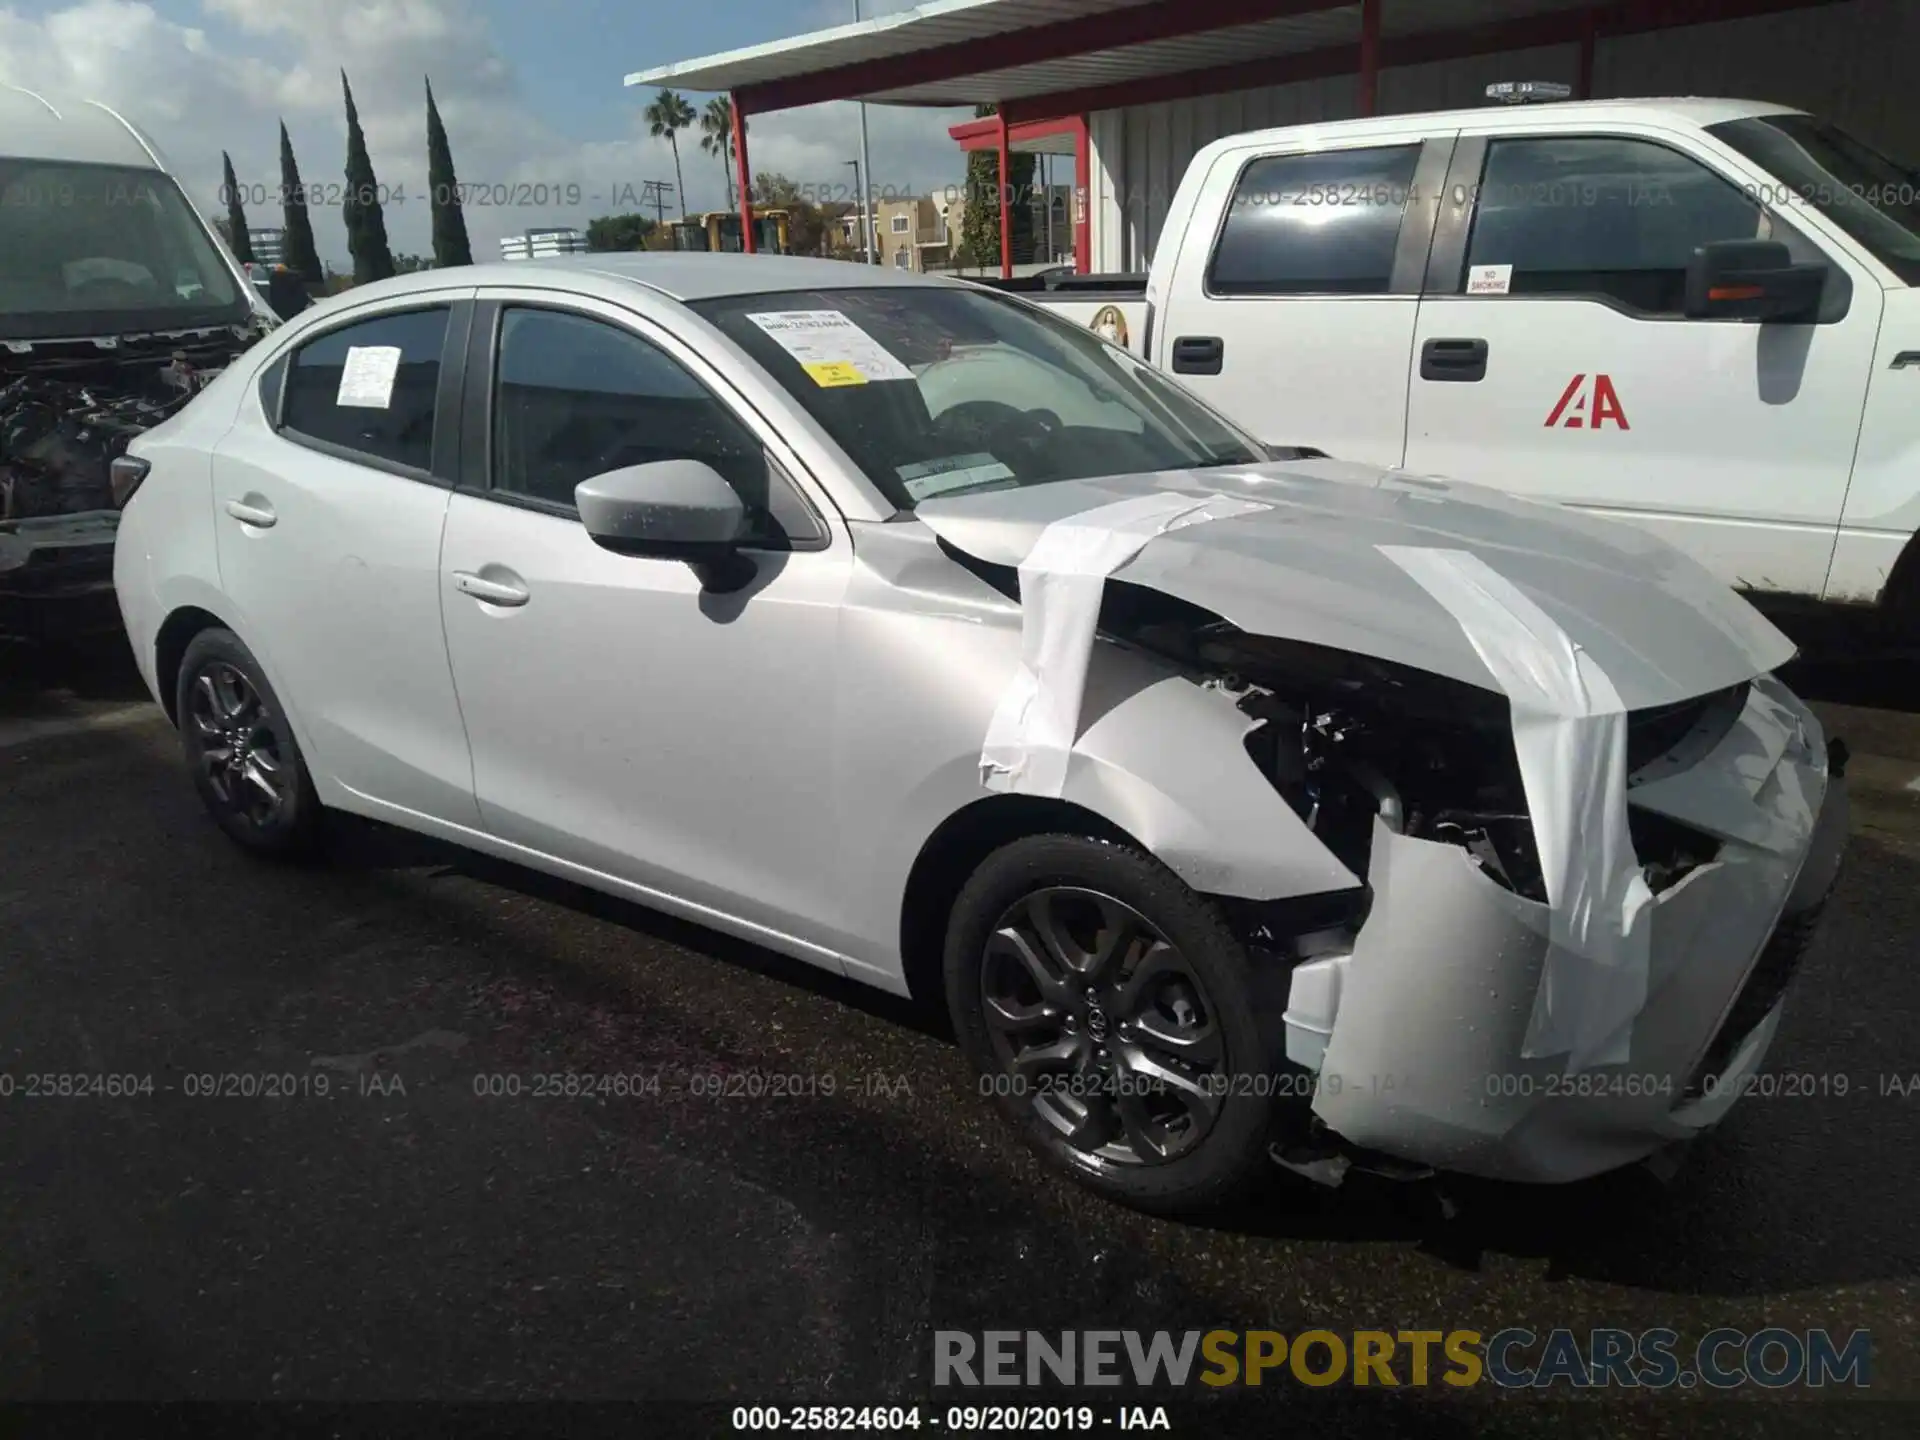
(382, 1209)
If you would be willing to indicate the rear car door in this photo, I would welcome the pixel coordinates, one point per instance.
(1560, 259)
(329, 519)
(1296, 288)
(623, 718)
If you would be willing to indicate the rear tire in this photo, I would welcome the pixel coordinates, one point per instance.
(1114, 1019)
(240, 749)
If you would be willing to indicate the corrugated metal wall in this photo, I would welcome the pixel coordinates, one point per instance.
(1853, 63)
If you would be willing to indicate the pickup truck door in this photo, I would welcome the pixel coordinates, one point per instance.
(1554, 359)
(621, 717)
(1295, 290)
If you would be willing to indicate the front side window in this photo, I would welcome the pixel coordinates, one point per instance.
(576, 397)
(1604, 216)
(1320, 224)
(936, 389)
(94, 248)
(1873, 198)
(371, 387)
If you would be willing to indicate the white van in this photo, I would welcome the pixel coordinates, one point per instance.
(1698, 315)
(118, 302)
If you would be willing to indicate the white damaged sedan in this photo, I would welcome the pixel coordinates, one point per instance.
(1237, 804)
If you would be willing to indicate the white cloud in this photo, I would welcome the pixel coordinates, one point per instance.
(226, 83)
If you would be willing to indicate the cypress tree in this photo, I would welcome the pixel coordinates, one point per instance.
(237, 238)
(297, 249)
(450, 245)
(360, 205)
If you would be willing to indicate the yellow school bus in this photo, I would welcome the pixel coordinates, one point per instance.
(719, 230)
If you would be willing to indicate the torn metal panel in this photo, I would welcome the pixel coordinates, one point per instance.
(1427, 1056)
(1309, 567)
(1062, 579)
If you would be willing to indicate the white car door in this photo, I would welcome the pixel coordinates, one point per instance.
(622, 718)
(329, 517)
(1555, 360)
(1293, 299)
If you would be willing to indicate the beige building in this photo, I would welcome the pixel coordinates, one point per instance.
(914, 234)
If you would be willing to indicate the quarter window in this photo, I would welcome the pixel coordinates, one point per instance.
(1601, 215)
(1320, 224)
(576, 397)
(371, 387)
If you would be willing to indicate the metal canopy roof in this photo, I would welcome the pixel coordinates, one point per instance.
(1186, 36)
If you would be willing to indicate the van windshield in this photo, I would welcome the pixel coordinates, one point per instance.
(93, 249)
(1874, 199)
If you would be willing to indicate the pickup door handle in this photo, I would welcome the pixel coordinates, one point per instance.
(1453, 360)
(260, 515)
(1198, 354)
(494, 592)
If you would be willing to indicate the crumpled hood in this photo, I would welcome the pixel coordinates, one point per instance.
(1310, 569)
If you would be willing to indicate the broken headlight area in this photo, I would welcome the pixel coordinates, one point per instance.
(1348, 740)
(68, 409)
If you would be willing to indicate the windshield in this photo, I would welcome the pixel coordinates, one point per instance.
(1874, 199)
(936, 390)
(96, 248)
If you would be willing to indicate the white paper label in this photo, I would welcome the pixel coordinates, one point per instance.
(366, 381)
(830, 347)
(1489, 280)
(958, 472)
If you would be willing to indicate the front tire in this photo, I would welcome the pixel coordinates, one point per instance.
(1115, 1020)
(240, 749)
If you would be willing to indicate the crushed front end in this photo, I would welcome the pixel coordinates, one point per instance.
(1412, 1012)
(68, 408)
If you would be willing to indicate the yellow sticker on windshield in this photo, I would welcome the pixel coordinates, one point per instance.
(829, 373)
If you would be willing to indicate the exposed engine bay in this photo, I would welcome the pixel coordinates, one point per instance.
(68, 408)
(1347, 739)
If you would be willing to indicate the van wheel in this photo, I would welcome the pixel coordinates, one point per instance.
(1111, 1015)
(241, 751)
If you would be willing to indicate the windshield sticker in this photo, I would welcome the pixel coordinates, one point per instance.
(956, 472)
(1489, 280)
(366, 380)
(831, 348)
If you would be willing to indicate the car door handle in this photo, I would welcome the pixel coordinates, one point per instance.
(494, 592)
(1198, 354)
(1904, 359)
(261, 516)
(1453, 360)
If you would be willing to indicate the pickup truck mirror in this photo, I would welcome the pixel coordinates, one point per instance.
(669, 510)
(1752, 280)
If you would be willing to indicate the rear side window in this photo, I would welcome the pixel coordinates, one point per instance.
(370, 388)
(1321, 224)
(1603, 215)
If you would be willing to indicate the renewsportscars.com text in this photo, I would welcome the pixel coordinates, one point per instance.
(1511, 1358)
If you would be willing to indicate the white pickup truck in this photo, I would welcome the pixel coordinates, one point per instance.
(1698, 315)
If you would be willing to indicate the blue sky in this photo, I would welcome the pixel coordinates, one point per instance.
(531, 92)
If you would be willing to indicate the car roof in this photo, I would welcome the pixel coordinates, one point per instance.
(34, 126)
(677, 275)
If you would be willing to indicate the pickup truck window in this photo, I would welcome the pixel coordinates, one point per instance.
(1874, 199)
(933, 389)
(1320, 224)
(1603, 215)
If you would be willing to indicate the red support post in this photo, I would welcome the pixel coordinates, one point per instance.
(1370, 57)
(1589, 35)
(743, 175)
(1006, 203)
(1082, 197)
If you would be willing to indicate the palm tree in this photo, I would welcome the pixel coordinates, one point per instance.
(716, 137)
(668, 115)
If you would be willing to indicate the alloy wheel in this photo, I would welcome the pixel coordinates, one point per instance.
(1100, 1022)
(236, 745)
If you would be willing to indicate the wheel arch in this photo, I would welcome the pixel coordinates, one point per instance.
(170, 649)
(954, 851)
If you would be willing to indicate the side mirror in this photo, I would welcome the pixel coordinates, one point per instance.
(1752, 280)
(669, 510)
